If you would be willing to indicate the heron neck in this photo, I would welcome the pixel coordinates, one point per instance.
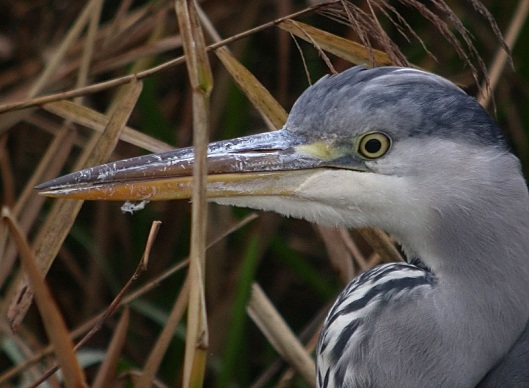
(480, 245)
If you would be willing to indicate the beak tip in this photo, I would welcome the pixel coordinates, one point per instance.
(41, 187)
(48, 187)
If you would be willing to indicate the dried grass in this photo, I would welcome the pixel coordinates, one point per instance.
(91, 54)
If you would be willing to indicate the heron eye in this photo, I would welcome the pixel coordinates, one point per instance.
(374, 145)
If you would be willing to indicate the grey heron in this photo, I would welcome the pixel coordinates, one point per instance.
(411, 153)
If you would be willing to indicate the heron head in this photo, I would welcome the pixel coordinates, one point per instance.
(360, 148)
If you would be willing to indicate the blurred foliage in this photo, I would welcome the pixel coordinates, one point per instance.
(286, 257)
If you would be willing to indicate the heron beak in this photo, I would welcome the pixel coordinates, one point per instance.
(267, 164)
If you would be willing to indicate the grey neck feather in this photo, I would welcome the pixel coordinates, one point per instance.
(479, 251)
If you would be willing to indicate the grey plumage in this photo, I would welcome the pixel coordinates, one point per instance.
(409, 152)
(404, 101)
(451, 321)
(512, 371)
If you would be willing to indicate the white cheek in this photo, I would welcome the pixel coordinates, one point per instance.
(289, 206)
(350, 191)
(352, 199)
(368, 199)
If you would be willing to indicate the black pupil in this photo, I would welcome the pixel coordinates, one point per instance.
(372, 146)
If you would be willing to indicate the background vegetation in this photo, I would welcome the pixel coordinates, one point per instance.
(300, 267)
